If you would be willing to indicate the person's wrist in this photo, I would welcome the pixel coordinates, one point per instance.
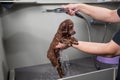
(80, 6)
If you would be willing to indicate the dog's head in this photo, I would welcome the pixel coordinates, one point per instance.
(67, 28)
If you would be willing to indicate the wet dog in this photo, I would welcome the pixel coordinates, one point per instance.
(64, 35)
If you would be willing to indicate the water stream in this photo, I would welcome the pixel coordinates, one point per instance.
(65, 62)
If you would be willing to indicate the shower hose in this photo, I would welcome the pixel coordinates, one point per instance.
(89, 33)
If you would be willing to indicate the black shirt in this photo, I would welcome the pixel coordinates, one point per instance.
(116, 38)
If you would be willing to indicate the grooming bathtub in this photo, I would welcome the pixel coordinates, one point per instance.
(27, 32)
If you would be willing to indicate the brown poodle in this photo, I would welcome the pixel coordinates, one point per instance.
(63, 35)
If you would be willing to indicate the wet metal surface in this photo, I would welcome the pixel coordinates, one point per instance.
(47, 72)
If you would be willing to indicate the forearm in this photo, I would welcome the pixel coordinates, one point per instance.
(99, 13)
(94, 48)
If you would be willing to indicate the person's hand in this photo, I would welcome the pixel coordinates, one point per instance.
(72, 8)
(62, 46)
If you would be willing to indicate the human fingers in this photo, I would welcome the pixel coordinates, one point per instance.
(70, 12)
(60, 45)
(70, 9)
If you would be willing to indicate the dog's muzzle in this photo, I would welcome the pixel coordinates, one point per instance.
(73, 32)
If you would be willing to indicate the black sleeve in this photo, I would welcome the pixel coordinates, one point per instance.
(118, 12)
(116, 37)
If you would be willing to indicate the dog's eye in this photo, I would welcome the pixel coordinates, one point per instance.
(63, 28)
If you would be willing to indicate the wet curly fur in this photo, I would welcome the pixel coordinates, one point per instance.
(63, 35)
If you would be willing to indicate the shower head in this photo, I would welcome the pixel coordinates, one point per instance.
(63, 10)
(57, 10)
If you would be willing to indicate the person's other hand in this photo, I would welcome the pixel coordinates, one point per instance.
(72, 8)
(62, 46)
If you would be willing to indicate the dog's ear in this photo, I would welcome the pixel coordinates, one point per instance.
(65, 31)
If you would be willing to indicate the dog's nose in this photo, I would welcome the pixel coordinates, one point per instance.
(73, 33)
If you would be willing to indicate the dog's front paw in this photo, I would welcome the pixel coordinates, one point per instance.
(74, 41)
